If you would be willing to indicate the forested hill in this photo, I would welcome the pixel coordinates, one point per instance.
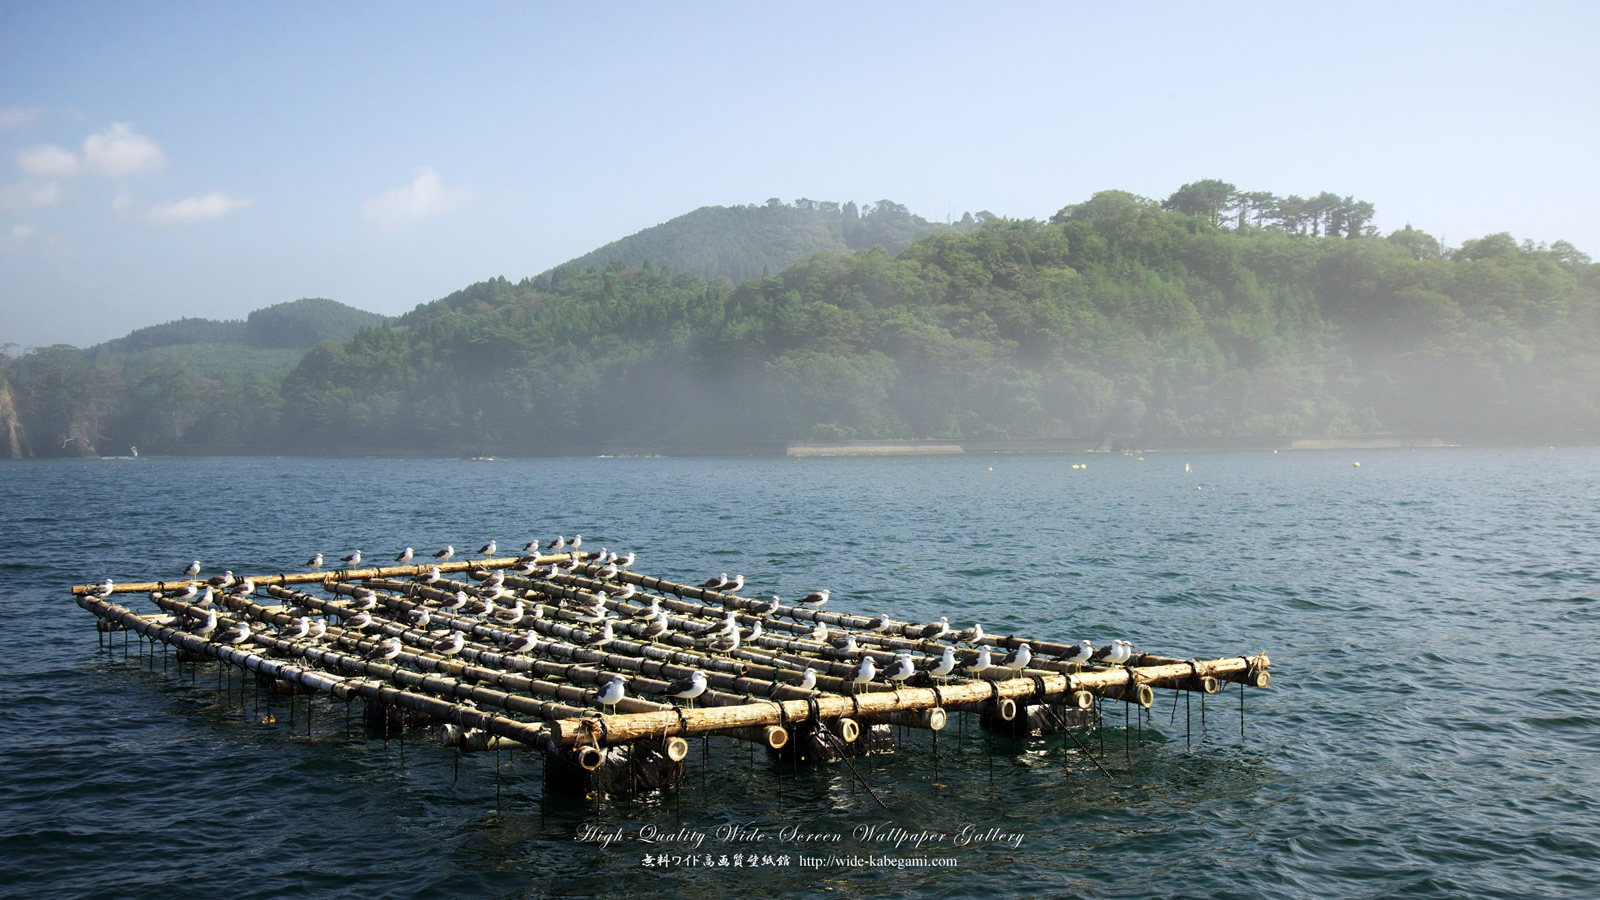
(1213, 313)
(743, 242)
(295, 325)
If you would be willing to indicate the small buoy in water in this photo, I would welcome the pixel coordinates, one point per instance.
(1358, 465)
(268, 719)
(991, 468)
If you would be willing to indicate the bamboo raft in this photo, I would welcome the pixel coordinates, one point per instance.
(444, 644)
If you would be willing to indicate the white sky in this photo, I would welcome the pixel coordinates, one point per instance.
(169, 159)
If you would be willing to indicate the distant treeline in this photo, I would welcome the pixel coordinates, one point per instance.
(1213, 313)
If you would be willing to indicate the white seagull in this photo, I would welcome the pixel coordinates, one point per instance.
(946, 665)
(612, 693)
(209, 625)
(816, 598)
(314, 562)
(978, 666)
(1078, 655)
(445, 554)
(487, 549)
(865, 672)
(805, 681)
(386, 650)
(935, 631)
(237, 633)
(902, 669)
(193, 570)
(528, 640)
(1019, 658)
(449, 645)
(688, 688)
(404, 556)
(354, 559)
(300, 628)
(419, 616)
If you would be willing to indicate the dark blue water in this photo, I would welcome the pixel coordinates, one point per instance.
(1430, 730)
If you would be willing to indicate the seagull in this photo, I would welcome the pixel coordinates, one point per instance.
(483, 607)
(511, 616)
(525, 565)
(946, 665)
(577, 541)
(1078, 655)
(816, 598)
(1113, 654)
(603, 636)
(319, 627)
(805, 681)
(1019, 658)
(206, 596)
(241, 589)
(903, 668)
(846, 645)
(649, 611)
(654, 627)
(879, 623)
(188, 592)
(300, 628)
(820, 633)
(528, 640)
(450, 644)
(456, 602)
(627, 593)
(724, 643)
(221, 581)
(487, 549)
(612, 693)
(935, 631)
(728, 623)
(688, 688)
(625, 561)
(106, 588)
(386, 650)
(766, 607)
(608, 572)
(193, 570)
(359, 620)
(404, 556)
(432, 575)
(314, 562)
(734, 586)
(971, 636)
(445, 554)
(558, 543)
(865, 672)
(354, 559)
(237, 633)
(982, 662)
(420, 617)
(363, 598)
(209, 625)
(715, 583)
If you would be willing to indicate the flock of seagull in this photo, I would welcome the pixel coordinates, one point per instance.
(876, 645)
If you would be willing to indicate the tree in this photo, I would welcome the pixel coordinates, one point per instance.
(1202, 199)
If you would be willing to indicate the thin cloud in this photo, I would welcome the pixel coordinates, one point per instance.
(15, 238)
(120, 151)
(48, 161)
(405, 206)
(26, 195)
(190, 210)
(17, 117)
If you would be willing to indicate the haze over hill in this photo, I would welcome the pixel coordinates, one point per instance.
(1217, 312)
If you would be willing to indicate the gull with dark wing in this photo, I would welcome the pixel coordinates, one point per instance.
(445, 554)
(816, 598)
(314, 562)
(193, 570)
(1018, 658)
(386, 650)
(450, 644)
(688, 688)
(404, 556)
(354, 559)
(611, 694)
(487, 549)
